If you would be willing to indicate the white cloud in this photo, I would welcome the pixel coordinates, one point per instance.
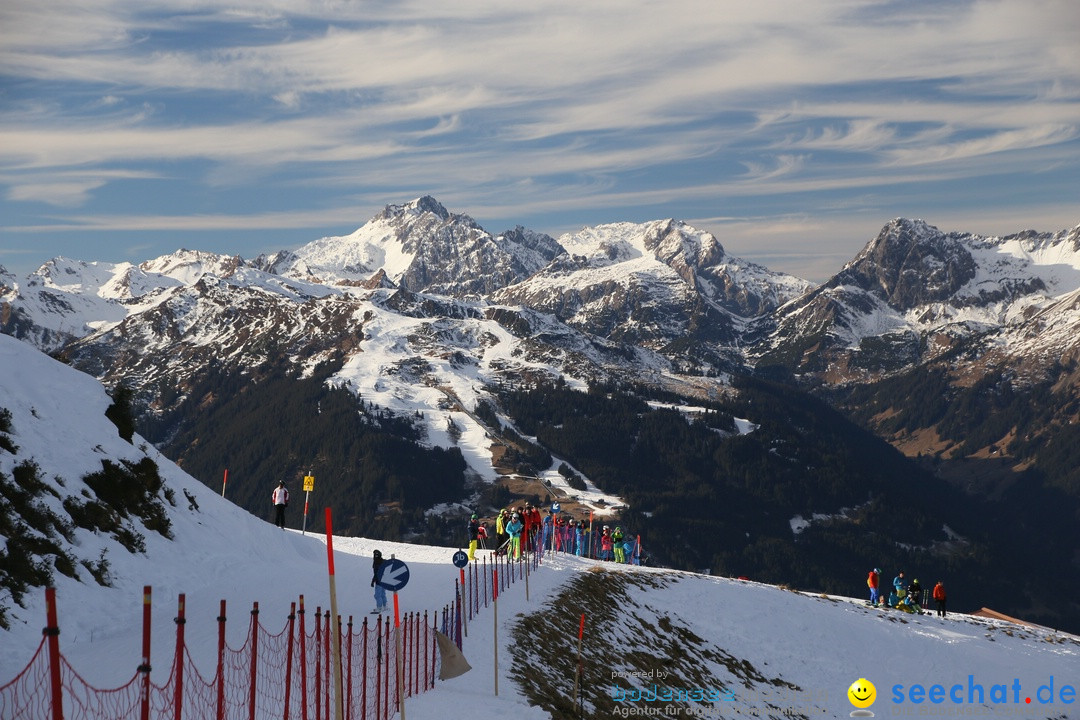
(1005, 140)
(545, 106)
(64, 194)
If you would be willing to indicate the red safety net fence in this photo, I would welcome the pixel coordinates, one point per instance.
(284, 675)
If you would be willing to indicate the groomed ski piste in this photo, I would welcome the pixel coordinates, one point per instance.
(649, 633)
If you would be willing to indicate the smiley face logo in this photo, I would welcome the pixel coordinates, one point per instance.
(862, 693)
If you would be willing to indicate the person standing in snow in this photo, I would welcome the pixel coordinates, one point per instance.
(501, 538)
(900, 584)
(474, 536)
(533, 523)
(280, 498)
(617, 545)
(380, 591)
(939, 598)
(606, 545)
(514, 529)
(872, 581)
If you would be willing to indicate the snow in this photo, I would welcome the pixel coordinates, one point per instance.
(812, 647)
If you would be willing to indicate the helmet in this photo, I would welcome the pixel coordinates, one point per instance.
(474, 516)
(877, 570)
(606, 527)
(377, 553)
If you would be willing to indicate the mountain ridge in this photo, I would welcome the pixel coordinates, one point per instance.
(453, 314)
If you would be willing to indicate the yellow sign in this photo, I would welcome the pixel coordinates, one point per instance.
(309, 483)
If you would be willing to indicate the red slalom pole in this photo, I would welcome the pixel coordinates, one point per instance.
(400, 659)
(52, 632)
(303, 665)
(178, 663)
(220, 679)
(254, 658)
(144, 668)
(339, 704)
(289, 658)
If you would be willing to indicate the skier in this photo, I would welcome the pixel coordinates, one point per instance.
(474, 532)
(533, 524)
(380, 591)
(280, 498)
(872, 583)
(513, 529)
(939, 598)
(501, 538)
(482, 535)
(899, 584)
(606, 544)
(617, 545)
(915, 593)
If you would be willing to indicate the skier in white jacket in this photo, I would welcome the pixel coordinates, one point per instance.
(280, 497)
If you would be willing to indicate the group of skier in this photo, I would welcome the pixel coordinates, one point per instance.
(909, 597)
(523, 528)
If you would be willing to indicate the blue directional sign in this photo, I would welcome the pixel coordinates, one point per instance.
(460, 559)
(393, 574)
(555, 507)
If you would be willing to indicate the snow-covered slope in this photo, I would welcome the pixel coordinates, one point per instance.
(765, 651)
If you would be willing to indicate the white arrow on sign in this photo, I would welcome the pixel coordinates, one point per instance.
(394, 576)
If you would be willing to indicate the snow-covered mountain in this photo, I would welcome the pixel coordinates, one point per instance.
(422, 247)
(653, 284)
(914, 293)
(425, 317)
(648, 631)
(415, 300)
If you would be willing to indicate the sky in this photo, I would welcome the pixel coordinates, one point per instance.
(792, 130)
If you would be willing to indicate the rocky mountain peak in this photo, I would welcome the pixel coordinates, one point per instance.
(910, 263)
(425, 205)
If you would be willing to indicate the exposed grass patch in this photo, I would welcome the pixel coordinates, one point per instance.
(625, 635)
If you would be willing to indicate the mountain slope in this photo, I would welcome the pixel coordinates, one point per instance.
(758, 646)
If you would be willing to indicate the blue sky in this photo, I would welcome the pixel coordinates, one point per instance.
(791, 129)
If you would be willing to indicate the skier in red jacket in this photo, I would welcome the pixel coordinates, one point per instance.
(872, 583)
(939, 598)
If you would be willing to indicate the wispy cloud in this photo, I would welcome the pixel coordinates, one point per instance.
(547, 107)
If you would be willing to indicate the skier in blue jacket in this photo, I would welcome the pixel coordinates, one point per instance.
(514, 528)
